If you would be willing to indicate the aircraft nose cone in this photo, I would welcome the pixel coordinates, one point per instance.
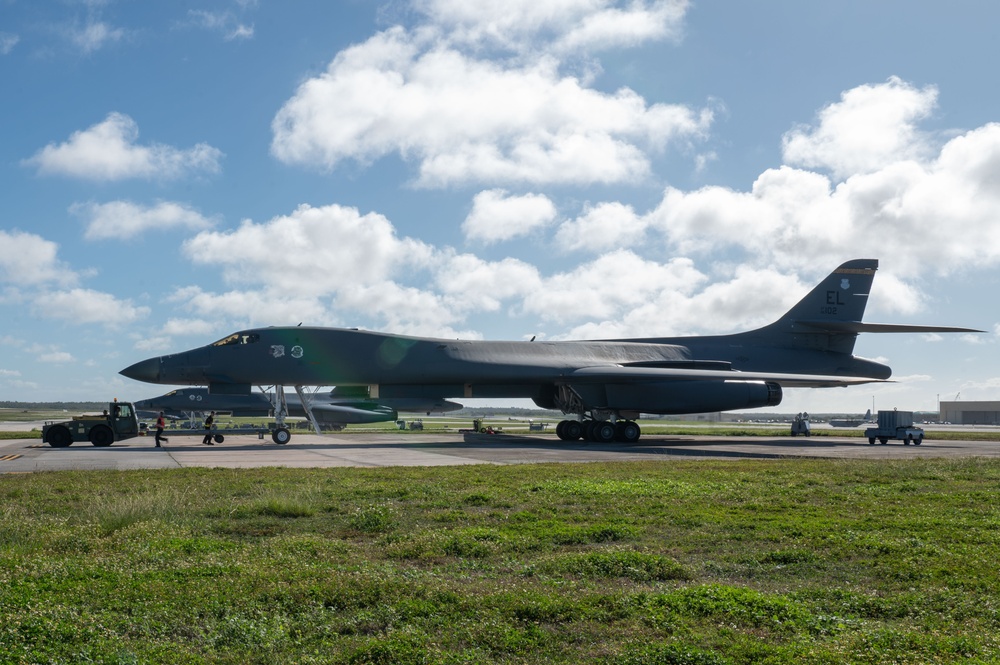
(144, 370)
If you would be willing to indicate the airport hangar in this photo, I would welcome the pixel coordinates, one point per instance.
(970, 413)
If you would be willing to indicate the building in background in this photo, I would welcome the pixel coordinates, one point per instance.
(970, 413)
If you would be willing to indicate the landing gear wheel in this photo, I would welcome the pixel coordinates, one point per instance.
(218, 438)
(627, 432)
(871, 441)
(58, 437)
(573, 430)
(281, 436)
(603, 432)
(883, 440)
(101, 436)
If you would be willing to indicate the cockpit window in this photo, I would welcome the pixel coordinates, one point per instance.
(238, 338)
(232, 339)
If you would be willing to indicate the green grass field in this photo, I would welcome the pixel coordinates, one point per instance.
(681, 562)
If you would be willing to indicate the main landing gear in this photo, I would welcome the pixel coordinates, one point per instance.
(603, 425)
(599, 431)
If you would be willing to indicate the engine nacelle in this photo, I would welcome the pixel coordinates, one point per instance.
(675, 397)
(359, 413)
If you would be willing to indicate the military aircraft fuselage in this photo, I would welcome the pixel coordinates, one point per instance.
(396, 366)
(810, 346)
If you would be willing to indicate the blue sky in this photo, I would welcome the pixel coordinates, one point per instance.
(566, 169)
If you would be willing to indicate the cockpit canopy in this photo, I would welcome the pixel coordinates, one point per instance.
(238, 338)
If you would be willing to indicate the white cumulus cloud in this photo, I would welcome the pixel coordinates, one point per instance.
(602, 227)
(322, 265)
(937, 215)
(473, 284)
(27, 259)
(403, 309)
(497, 216)
(86, 306)
(255, 306)
(333, 266)
(124, 219)
(609, 287)
(108, 151)
(464, 119)
(562, 25)
(333, 245)
(871, 127)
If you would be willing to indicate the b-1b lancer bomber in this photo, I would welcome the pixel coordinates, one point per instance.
(604, 385)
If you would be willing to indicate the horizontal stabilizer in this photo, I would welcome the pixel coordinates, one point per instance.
(860, 327)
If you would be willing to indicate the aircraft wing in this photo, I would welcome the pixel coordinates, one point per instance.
(624, 373)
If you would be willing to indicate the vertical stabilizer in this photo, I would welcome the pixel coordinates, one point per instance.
(828, 317)
(840, 298)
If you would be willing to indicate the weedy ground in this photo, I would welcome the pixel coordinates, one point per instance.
(701, 562)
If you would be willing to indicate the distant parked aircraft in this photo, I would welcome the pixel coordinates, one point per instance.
(339, 407)
(867, 418)
(604, 384)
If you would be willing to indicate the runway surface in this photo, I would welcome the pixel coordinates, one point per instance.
(437, 449)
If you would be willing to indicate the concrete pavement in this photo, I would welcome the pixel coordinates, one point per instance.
(437, 449)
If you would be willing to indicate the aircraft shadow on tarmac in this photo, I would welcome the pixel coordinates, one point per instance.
(762, 448)
(779, 443)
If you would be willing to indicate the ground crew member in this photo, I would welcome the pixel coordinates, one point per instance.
(207, 441)
(160, 424)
